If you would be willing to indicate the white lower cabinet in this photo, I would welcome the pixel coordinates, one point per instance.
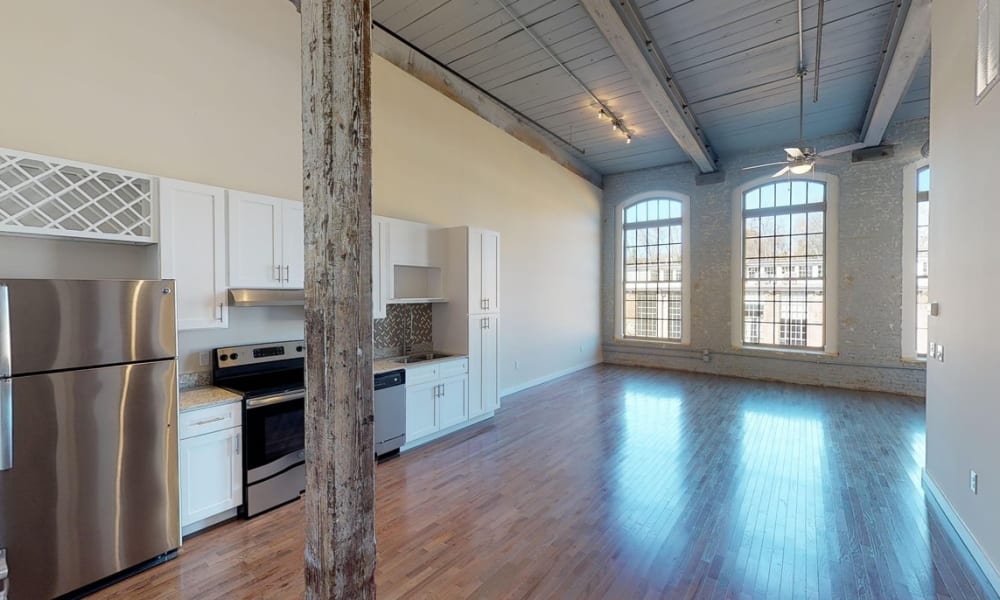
(484, 392)
(453, 401)
(211, 464)
(437, 398)
(421, 410)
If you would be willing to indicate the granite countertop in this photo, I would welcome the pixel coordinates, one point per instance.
(205, 396)
(387, 364)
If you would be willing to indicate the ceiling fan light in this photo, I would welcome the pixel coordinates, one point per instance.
(802, 169)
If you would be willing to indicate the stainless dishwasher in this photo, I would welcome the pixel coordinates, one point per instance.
(390, 411)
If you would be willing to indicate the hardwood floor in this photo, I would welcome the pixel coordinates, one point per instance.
(632, 483)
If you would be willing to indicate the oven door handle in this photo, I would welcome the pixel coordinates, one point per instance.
(275, 399)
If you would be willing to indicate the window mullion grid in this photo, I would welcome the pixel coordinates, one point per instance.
(783, 299)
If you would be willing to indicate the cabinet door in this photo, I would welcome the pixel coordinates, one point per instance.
(490, 270)
(255, 241)
(477, 333)
(484, 390)
(380, 256)
(410, 244)
(293, 244)
(211, 474)
(193, 251)
(490, 366)
(453, 402)
(477, 302)
(421, 411)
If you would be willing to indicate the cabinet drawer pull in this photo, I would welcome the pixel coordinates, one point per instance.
(277, 272)
(287, 273)
(207, 421)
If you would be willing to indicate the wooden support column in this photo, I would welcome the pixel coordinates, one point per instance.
(340, 465)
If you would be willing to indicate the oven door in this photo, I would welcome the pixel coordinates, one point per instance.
(274, 432)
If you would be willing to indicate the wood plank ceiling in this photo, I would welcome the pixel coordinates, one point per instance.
(735, 61)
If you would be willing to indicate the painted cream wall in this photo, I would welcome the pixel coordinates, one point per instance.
(202, 91)
(210, 92)
(438, 163)
(963, 392)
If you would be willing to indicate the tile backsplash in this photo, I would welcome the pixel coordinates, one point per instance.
(404, 324)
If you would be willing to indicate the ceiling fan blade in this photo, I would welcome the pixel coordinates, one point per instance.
(794, 152)
(841, 149)
(781, 172)
(774, 164)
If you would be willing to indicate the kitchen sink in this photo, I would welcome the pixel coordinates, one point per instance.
(415, 358)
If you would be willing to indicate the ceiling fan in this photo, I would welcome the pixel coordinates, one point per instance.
(802, 159)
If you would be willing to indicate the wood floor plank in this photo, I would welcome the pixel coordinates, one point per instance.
(626, 483)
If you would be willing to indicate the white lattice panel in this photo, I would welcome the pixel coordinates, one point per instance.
(49, 196)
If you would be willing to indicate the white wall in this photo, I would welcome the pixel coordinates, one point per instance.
(438, 163)
(210, 92)
(963, 393)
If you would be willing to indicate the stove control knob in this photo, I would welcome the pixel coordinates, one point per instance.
(233, 356)
(298, 348)
(223, 357)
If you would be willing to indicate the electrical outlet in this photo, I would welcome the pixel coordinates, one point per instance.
(973, 482)
(517, 364)
(581, 348)
(204, 359)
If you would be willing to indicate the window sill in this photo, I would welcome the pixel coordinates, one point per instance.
(646, 343)
(779, 352)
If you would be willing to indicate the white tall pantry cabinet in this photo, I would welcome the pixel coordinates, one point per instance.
(469, 323)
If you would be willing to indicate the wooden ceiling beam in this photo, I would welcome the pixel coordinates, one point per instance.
(628, 36)
(471, 97)
(907, 43)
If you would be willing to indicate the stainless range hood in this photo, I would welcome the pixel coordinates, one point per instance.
(265, 297)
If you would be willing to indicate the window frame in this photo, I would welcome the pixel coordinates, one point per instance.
(908, 349)
(830, 267)
(685, 281)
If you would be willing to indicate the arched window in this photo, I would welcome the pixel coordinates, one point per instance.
(652, 268)
(784, 266)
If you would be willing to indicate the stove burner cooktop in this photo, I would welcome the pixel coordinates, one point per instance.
(260, 369)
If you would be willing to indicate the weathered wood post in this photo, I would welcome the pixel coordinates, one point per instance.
(340, 467)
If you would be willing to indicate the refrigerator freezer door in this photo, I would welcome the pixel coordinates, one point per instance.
(93, 489)
(57, 324)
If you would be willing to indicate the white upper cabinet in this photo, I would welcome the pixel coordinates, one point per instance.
(193, 251)
(293, 247)
(266, 242)
(413, 261)
(484, 271)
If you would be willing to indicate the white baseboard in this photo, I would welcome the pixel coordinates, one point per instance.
(990, 570)
(546, 378)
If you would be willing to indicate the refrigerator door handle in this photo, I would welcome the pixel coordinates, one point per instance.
(6, 426)
(5, 349)
(6, 386)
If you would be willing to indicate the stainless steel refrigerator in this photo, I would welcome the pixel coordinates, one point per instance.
(88, 437)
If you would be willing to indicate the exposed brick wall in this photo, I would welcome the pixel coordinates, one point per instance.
(869, 302)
